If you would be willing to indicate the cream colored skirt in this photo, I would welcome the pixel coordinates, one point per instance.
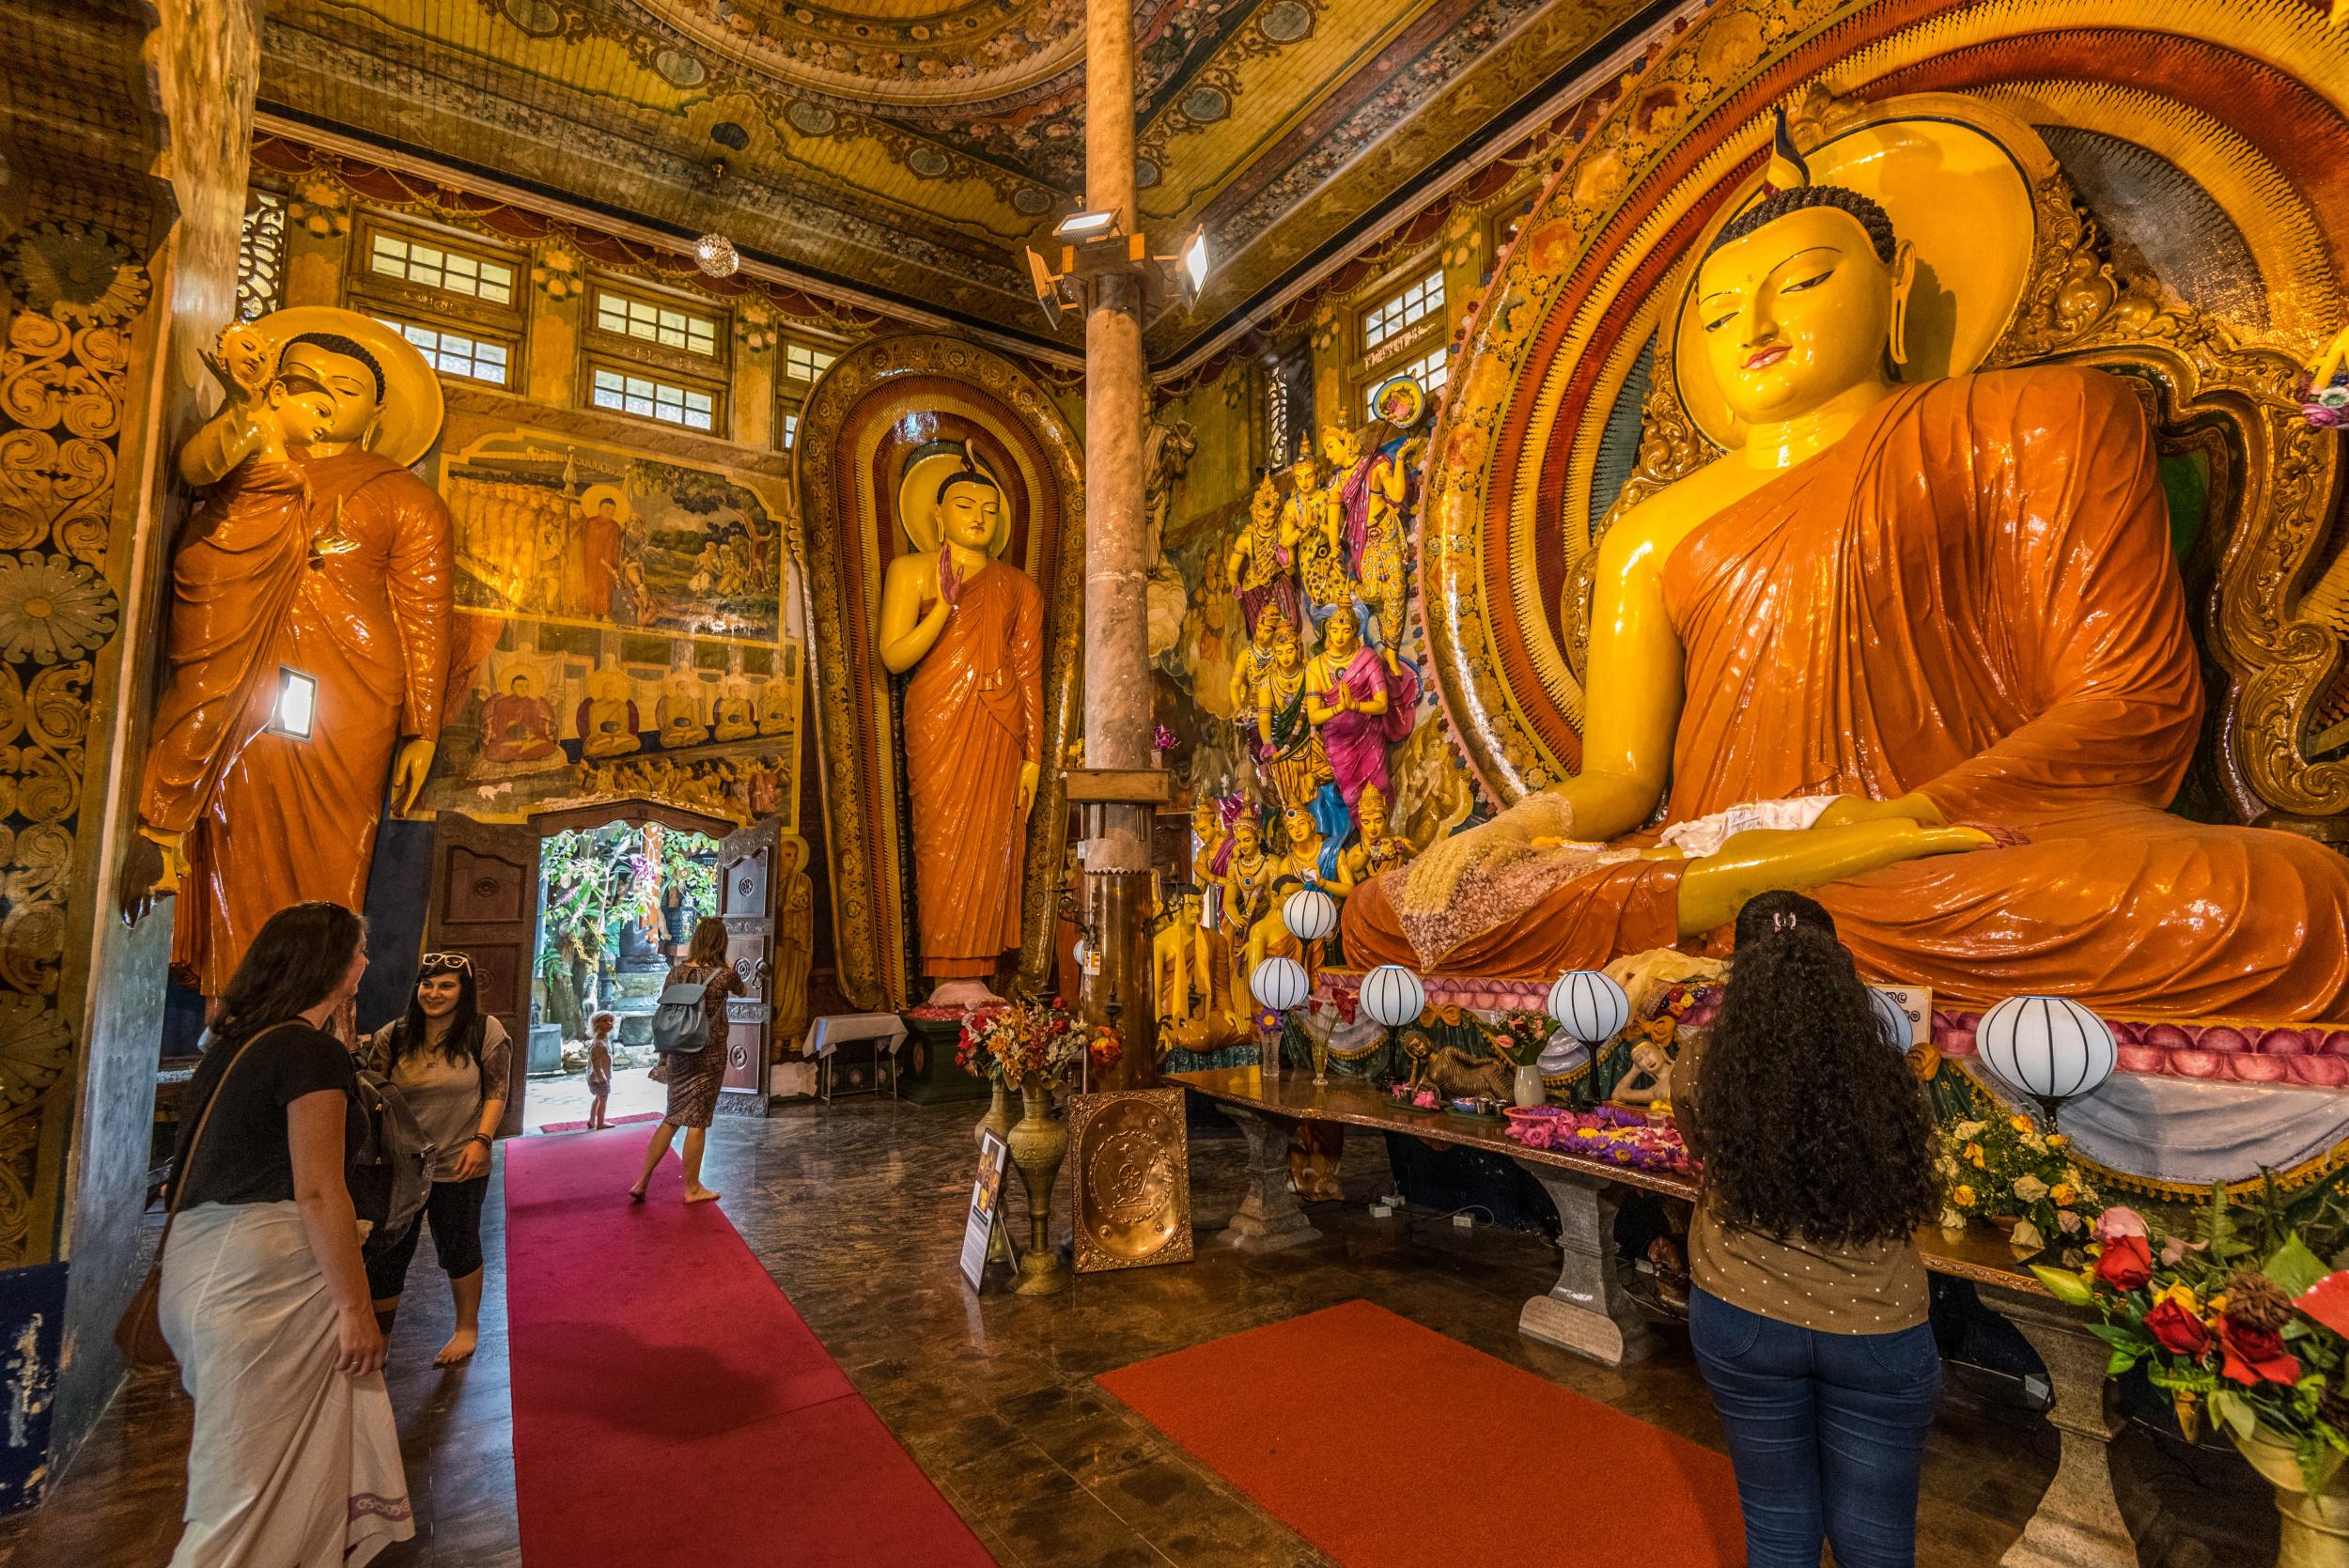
(292, 1462)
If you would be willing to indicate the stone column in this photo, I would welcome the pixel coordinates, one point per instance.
(1587, 1311)
(1116, 616)
(2078, 1523)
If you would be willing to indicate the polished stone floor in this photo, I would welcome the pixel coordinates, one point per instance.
(856, 1211)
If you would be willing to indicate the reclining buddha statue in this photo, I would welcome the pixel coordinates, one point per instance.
(1919, 649)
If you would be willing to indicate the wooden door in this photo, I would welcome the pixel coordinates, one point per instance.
(749, 874)
(485, 902)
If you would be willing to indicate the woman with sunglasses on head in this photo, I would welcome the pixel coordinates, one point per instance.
(294, 1457)
(454, 1065)
(1807, 1319)
(695, 1077)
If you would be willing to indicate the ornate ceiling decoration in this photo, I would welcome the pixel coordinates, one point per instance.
(910, 146)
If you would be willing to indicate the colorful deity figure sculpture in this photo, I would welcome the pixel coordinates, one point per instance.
(1311, 533)
(516, 725)
(1948, 607)
(1247, 876)
(679, 712)
(1191, 983)
(1287, 748)
(1377, 849)
(1376, 542)
(607, 715)
(1359, 707)
(1258, 563)
(315, 551)
(1207, 841)
(971, 630)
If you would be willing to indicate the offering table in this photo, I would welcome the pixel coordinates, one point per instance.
(2077, 1524)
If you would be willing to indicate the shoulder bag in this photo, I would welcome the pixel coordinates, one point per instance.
(139, 1334)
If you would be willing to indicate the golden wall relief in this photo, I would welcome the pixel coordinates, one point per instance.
(623, 631)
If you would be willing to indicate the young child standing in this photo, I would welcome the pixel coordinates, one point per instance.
(600, 1066)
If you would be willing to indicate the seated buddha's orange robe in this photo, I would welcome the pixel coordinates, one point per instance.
(974, 715)
(1971, 594)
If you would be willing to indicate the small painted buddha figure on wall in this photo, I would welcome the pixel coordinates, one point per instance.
(970, 630)
(1949, 606)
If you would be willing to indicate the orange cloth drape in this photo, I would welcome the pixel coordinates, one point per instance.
(269, 820)
(1971, 594)
(974, 715)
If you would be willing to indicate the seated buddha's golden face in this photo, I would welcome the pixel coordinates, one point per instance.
(1796, 312)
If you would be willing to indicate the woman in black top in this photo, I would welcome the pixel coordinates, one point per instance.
(295, 1457)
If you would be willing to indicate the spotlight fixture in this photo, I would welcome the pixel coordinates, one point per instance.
(1047, 285)
(1191, 268)
(296, 711)
(715, 255)
(1099, 224)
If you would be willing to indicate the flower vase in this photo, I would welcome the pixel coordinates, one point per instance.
(1038, 1143)
(1526, 1088)
(997, 1121)
(2314, 1525)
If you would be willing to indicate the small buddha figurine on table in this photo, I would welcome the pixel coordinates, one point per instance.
(1949, 604)
(970, 630)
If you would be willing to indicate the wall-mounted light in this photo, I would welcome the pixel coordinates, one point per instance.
(297, 708)
(1086, 225)
(1192, 267)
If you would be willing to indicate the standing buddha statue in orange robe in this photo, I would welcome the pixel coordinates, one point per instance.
(971, 631)
(1951, 606)
(332, 560)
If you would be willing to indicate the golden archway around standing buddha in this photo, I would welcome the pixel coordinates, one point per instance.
(2189, 229)
(889, 406)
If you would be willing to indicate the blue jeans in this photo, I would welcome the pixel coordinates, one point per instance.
(1826, 1432)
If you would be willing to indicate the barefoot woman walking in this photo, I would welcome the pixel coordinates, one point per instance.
(694, 1076)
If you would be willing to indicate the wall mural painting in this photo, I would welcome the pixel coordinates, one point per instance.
(621, 631)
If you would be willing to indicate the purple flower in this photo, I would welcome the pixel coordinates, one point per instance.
(1162, 739)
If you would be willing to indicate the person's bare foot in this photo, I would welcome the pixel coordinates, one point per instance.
(700, 1195)
(635, 1194)
(459, 1349)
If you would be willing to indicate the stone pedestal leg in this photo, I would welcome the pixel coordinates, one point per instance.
(1586, 1312)
(1268, 1218)
(2078, 1523)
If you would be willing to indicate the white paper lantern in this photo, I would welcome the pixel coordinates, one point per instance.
(2049, 1047)
(1080, 951)
(1279, 983)
(1894, 1018)
(1310, 914)
(1393, 996)
(1590, 1006)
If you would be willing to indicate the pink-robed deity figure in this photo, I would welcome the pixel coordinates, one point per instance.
(1361, 706)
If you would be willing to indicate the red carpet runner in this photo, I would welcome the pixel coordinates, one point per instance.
(1389, 1446)
(669, 1406)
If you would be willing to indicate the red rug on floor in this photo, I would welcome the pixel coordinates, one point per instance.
(1389, 1446)
(609, 1122)
(669, 1406)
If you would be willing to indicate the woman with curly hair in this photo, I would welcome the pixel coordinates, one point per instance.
(1808, 1316)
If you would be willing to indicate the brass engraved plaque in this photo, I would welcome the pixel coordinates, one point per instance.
(1133, 1178)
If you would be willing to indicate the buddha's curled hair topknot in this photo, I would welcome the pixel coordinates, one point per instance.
(1777, 204)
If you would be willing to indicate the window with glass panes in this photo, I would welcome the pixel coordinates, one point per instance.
(791, 432)
(648, 398)
(1430, 370)
(436, 267)
(664, 324)
(804, 362)
(1390, 316)
(454, 354)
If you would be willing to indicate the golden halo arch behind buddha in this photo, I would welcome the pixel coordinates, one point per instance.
(917, 498)
(1957, 190)
(411, 405)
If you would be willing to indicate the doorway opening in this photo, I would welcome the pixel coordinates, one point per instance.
(616, 908)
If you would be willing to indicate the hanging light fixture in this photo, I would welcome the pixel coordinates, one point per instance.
(2049, 1047)
(1310, 914)
(715, 255)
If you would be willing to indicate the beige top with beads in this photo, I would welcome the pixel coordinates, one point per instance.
(1873, 1288)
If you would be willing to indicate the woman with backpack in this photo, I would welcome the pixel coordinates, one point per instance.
(1807, 1319)
(263, 1298)
(693, 1070)
(453, 1063)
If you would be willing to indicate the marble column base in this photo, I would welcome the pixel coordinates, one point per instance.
(1268, 1218)
(1587, 1311)
(2078, 1523)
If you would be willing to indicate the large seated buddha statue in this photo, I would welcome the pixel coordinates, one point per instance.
(1919, 649)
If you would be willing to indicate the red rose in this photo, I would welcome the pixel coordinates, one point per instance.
(2177, 1331)
(2127, 1263)
(2254, 1354)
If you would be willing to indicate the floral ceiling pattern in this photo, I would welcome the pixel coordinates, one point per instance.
(912, 146)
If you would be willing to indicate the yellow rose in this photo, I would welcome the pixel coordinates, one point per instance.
(1973, 1152)
(2020, 1123)
(1962, 1197)
(2182, 1294)
(2061, 1195)
(2057, 1140)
